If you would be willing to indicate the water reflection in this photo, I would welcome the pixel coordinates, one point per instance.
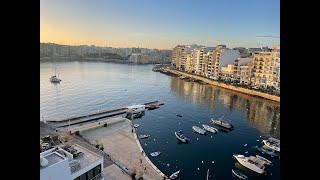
(262, 114)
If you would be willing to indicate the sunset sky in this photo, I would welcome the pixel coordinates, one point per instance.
(160, 24)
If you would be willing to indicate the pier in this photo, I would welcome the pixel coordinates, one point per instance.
(97, 118)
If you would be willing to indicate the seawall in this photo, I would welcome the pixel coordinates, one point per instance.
(230, 87)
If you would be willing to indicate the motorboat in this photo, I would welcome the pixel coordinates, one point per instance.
(209, 128)
(174, 175)
(267, 162)
(272, 143)
(253, 163)
(143, 136)
(181, 137)
(239, 174)
(55, 79)
(154, 154)
(265, 150)
(179, 115)
(136, 125)
(198, 130)
(221, 123)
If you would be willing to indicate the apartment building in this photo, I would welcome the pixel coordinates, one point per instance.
(179, 57)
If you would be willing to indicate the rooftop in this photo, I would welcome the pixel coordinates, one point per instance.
(78, 157)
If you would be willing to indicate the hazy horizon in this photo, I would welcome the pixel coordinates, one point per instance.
(160, 24)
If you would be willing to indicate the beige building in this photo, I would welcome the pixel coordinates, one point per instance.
(189, 64)
(266, 69)
(179, 57)
(197, 60)
(221, 57)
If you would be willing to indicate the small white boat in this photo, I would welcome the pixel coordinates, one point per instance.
(136, 125)
(272, 143)
(238, 174)
(253, 163)
(154, 154)
(181, 137)
(143, 136)
(174, 175)
(267, 162)
(221, 123)
(198, 130)
(209, 128)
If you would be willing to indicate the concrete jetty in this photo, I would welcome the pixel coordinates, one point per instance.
(95, 116)
(121, 143)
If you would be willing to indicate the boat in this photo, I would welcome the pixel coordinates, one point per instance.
(239, 174)
(221, 123)
(207, 175)
(265, 150)
(267, 162)
(181, 77)
(136, 125)
(55, 79)
(143, 136)
(179, 115)
(198, 130)
(174, 175)
(209, 128)
(181, 137)
(272, 143)
(154, 154)
(253, 163)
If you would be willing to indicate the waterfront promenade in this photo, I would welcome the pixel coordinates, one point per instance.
(120, 143)
(227, 86)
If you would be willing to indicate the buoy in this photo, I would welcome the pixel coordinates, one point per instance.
(202, 162)
(212, 162)
(198, 169)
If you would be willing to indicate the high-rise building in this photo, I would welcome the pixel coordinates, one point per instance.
(197, 59)
(179, 56)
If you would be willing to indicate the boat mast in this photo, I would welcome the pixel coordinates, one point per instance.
(207, 174)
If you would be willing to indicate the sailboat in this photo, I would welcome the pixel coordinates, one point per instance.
(54, 78)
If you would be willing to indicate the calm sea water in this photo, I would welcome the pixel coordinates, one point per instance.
(89, 87)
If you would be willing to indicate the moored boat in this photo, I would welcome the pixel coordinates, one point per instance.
(55, 79)
(221, 123)
(198, 130)
(154, 154)
(267, 162)
(253, 163)
(181, 137)
(239, 174)
(143, 136)
(136, 125)
(272, 143)
(209, 128)
(265, 150)
(174, 175)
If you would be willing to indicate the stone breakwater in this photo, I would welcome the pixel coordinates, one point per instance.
(227, 86)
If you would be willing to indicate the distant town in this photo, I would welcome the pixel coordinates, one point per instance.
(56, 52)
(252, 68)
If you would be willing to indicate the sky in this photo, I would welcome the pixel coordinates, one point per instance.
(160, 24)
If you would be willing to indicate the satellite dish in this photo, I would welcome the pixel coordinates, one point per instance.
(43, 162)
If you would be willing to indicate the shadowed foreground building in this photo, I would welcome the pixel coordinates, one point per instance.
(78, 164)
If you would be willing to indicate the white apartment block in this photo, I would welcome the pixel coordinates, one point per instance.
(76, 164)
